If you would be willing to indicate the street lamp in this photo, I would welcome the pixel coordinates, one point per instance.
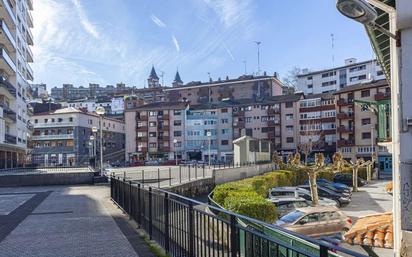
(175, 142)
(100, 111)
(209, 134)
(361, 11)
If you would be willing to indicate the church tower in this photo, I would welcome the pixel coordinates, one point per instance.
(177, 82)
(153, 80)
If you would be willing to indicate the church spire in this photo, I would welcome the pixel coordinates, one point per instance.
(177, 81)
(153, 74)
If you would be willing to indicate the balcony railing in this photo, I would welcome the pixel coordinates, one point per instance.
(10, 12)
(141, 117)
(30, 4)
(344, 129)
(53, 125)
(343, 102)
(272, 123)
(239, 113)
(53, 137)
(8, 33)
(344, 142)
(8, 113)
(8, 61)
(344, 115)
(29, 72)
(4, 84)
(10, 139)
(29, 19)
(142, 139)
(273, 111)
(382, 96)
(239, 124)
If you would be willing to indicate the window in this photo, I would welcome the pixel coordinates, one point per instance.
(289, 140)
(225, 142)
(366, 135)
(36, 121)
(313, 217)
(365, 93)
(289, 116)
(224, 110)
(225, 131)
(366, 121)
(177, 133)
(152, 124)
(310, 78)
(289, 104)
(310, 86)
(329, 83)
(289, 128)
(177, 112)
(152, 113)
(46, 120)
(357, 68)
(177, 123)
(379, 73)
(248, 119)
(225, 121)
(71, 119)
(328, 74)
(152, 145)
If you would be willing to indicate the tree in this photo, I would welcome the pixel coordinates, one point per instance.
(308, 147)
(291, 78)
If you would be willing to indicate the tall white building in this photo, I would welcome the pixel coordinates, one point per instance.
(330, 80)
(15, 72)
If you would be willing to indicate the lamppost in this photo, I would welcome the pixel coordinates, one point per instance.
(93, 153)
(100, 111)
(175, 142)
(209, 134)
(94, 131)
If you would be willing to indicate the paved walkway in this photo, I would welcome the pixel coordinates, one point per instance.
(64, 221)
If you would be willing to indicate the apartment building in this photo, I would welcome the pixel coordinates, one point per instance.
(69, 92)
(15, 72)
(331, 80)
(209, 124)
(317, 120)
(244, 87)
(363, 122)
(39, 91)
(63, 138)
(151, 129)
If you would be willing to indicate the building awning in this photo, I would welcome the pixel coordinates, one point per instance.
(374, 230)
(381, 42)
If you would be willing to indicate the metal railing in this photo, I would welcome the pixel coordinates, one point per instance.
(38, 169)
(185, 227)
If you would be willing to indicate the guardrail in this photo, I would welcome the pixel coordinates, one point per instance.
(183, 227)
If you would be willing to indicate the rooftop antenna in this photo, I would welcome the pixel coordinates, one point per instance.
(332, 36)
(244, 63)
(258, 56)
(162, 74)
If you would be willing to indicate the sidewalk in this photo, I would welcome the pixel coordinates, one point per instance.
(65, 221)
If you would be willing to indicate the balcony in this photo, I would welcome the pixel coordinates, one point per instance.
(344, 115)
(29, 37)
(163, 117)
(30, 4)
(9, 139)
(142, 149)
(163, 138)
(29, 71)
(7, 37)
(164, 149)
(7, 13)
(7, 89)
(29, 54)
(163, 127)
(53, 137)
(344, 129)
(273, 123)
(382, 96)
(142, 139)
(53, 125)
(8, 113)
(141, 117)
(343, 102)
(345, 143)
(273, 111)
(6, 63)
(142, 128)
(239, 113)
(239, 124)
(29, 19)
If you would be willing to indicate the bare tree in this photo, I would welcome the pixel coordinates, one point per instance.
(291, 78)
(308, 147)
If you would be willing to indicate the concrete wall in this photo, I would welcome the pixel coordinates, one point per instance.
(233, 174)
(47, 179)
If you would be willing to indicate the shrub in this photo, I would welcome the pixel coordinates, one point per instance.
(222, 191)
(255, 207)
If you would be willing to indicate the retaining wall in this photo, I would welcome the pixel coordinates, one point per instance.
(46, 179)
(232, 174)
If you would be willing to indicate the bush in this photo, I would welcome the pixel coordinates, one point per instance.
(223, 191)
(255, 207)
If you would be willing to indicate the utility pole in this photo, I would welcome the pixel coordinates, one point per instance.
(244, 63)
(333, 49)
(258, 56)
(162, 74)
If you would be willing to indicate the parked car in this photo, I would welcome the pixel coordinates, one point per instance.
(298, 192)
(347, 179)
(341, 199)
(286, 204)
(337, 186)
(316, 221)
(152, 163)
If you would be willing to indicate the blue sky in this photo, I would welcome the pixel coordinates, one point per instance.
(110, 41)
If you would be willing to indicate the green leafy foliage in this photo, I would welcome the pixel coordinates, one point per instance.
(252, 206)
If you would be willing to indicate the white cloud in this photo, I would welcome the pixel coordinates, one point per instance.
(158, 21)
(228, 51)
(87, 25)
(176, 43)
(231, 12)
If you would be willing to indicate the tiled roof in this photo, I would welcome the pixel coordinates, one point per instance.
(373, 230)
(361, 86)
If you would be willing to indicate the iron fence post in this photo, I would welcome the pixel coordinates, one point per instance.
(130, 199)
(203, 170)
(158, 177)
(233, 236)
(180, 174)
(170, 176)
(166, 220)
(143, 178)
(124, 194)
(150, 213)
(196, 172)
(139, 207)
(191, 230)
(323, 251)
(189, 172)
